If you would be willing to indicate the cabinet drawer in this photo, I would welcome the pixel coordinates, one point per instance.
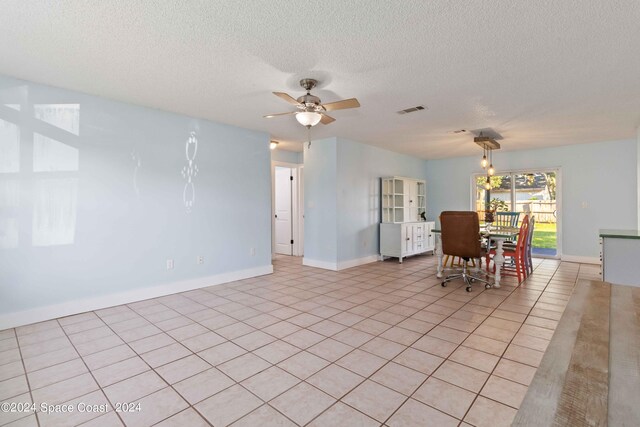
(418, 232)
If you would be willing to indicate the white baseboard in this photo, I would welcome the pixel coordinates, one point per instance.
(356, 262)
(327, 265)
(337, 266)
(580, 259)
(11, 320)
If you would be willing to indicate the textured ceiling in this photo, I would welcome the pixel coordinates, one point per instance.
(540, 73)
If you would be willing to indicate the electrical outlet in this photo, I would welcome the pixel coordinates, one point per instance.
(200, 259)
(252, 251)
(169, 264)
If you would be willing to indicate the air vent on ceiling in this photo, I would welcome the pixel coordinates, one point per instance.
(412, 109)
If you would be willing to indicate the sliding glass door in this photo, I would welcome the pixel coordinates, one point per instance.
(533, 192)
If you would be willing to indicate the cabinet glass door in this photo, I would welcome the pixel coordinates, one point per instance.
(421, 200)
(398, 195)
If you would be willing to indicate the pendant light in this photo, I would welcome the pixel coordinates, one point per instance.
(484, 162)
(488, 144)
(491, 170)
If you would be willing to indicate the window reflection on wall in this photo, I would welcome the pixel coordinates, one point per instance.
(9, 147)
(63, 116)
(46, 197)
(54, 211)
(50, 154)
(9, 204)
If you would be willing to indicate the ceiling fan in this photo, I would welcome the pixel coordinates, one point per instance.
(310, 109)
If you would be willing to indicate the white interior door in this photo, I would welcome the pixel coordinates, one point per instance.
(283, 224)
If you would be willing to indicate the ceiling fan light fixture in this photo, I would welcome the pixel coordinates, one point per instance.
(273, 145)
(308, 118)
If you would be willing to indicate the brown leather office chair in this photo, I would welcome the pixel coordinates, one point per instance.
(461, 237)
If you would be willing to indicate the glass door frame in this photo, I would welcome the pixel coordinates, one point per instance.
(512, 172)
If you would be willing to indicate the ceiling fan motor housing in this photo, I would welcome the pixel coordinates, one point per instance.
(308, 84)
(310, 101)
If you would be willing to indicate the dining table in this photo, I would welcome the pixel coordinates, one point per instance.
(493, 234)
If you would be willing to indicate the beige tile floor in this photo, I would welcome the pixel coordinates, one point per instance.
(380, 344)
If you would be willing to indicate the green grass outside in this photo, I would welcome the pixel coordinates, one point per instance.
(544, 235)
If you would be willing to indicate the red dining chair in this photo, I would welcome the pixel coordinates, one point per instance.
(517, 251)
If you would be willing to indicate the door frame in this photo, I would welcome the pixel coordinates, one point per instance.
(558, 171)
(297, 207)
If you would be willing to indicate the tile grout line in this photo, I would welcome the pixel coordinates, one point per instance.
(248, 298)
(447, 358)
(523, 323)
(152, 369)
(505, 350)
(453, 290)
(92, 376)
(27, 379)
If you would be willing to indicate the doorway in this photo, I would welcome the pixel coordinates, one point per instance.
(535, 192)
(288, 217)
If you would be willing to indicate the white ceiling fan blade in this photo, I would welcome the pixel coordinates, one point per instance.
(286, 97)
(341, 105)
(325, 120)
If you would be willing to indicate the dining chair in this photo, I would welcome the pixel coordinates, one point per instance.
(506, 219)
(460, 231)
(517, 251)
(454, 260)
(528, 259)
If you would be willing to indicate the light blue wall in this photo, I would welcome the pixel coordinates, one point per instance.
(320, 202)
(105, 207)
(604, 175)
(279, 155)
(342, 197)
(360, 168)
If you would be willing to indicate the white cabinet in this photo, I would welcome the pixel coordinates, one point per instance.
(404, 239)
(619, 252)
(402, 231)
(403, 199)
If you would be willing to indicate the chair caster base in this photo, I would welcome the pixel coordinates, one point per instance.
(468, 288)
(443, 284)
(487, 286)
